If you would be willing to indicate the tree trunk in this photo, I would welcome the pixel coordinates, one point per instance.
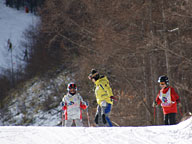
(166, 45)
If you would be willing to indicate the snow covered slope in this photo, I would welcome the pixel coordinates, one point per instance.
(177, 134)
(36, 102)
(12, 25)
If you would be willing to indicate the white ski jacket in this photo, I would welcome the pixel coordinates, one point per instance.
(73, 105)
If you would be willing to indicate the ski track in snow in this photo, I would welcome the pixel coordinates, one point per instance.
(177, 134)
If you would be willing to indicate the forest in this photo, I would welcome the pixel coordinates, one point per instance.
(132, 42)
(29, 5)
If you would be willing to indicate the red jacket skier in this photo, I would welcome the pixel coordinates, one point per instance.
(168, 99)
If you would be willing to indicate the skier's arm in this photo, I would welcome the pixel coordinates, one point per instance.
(64, 105)
(175, 95)
(83, 104)
(158, 101)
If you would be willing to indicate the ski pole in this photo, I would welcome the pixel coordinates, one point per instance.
(62, 113)
(115, 123)
(88, 119)
(154, 113)
(180, 111)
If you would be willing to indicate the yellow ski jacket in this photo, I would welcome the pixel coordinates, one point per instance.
(103, 90)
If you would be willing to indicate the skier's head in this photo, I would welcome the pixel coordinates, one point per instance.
(163, 80)
(72, 88)
(94, 75)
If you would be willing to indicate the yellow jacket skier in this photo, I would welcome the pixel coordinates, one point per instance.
(103, 91)
(104, 95)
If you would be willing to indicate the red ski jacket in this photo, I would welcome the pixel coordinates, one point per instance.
(168, 99)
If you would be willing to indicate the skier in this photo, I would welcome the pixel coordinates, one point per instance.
(73, 104)
(168, 99)
(25, 55)
(7, 2)
(104, 97)
(9, 43)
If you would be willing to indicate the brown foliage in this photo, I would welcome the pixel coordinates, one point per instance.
(132, 42)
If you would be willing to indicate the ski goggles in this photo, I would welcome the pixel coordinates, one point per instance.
(162, 83)
(72, 86)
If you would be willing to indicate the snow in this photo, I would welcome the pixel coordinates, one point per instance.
(176, 134)
(12, 25)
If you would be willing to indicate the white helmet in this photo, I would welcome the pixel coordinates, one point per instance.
(72, 86)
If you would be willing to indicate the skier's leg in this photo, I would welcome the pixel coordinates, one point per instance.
(103, 113)
(78, 123)
(107, 113)
(172, 118)
(109, 121)
(68, 123)
(106, 109)
(98, 116)
(166, 119)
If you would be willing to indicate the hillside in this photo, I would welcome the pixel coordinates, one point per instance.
(131, 42)
(36, 102)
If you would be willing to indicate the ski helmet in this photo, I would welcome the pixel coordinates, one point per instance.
(163, 78)
(72, 86)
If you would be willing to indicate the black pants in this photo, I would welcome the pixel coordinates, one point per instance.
(170, 119)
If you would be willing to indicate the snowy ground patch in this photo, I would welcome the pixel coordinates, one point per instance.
(177, 134)
(12, 25)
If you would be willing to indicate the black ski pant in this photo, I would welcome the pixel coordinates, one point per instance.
(170, 119)
(102, 116)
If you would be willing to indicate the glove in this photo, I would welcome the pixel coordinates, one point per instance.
(84, 105)
(64, 108)
(180, 105)
(154, 104)
(104, 119)
(96, 118)
(113, 98)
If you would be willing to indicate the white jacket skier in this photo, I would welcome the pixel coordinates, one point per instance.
(73, 104)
